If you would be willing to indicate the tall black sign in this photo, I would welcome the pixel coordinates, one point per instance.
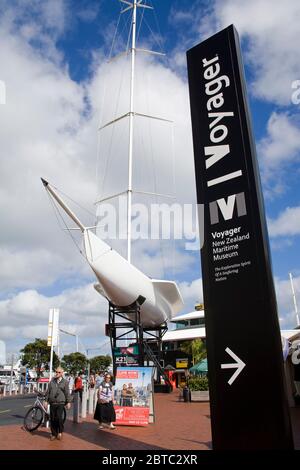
(247, 385)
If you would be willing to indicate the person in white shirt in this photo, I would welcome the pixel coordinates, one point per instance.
(105, 412)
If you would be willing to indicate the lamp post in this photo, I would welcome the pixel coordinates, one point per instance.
(70, 334)
(295, 300)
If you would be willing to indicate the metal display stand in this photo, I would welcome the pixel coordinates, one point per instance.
(124, 326)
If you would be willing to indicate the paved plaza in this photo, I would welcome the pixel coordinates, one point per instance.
(178, 426)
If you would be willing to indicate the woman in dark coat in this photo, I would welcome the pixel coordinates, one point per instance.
(105, 412)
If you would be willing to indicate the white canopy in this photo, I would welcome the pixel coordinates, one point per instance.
(183, 334)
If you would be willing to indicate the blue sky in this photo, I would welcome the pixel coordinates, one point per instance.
(52, 60)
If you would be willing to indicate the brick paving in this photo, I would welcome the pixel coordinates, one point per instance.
(178, 426)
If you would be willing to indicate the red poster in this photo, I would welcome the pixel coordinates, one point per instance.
(133, 395)
(133, 416)
(127, 374)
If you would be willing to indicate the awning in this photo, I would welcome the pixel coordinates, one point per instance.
(199, 368)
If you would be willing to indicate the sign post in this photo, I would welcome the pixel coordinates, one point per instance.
(52, 334)
(245, 362)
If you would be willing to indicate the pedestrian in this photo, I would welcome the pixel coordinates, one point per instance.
(58, 396)
(78, 385)
(98, 380)
(92, 381)
(105, 412)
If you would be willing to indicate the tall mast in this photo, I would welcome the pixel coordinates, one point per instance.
(131, 116)
(295, 301)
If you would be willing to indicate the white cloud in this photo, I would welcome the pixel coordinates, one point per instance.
(192, 293)
(88, 13)
(31, 268)
(281, 244)
(82, 311)
(278, 151)
(54, 15)
(286, 224)
(38, 23)
(271, 30)
(8, 332)
(44, 132)
(48, 130)
(27, 303)
(282, 142)
(160, 259)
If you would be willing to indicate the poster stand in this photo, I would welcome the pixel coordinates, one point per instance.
(145, 343)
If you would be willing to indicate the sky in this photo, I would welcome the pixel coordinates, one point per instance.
(60, 88)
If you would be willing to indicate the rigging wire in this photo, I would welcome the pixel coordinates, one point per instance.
(161, 45)
(140, 25)
(157, 39)
(109, 153)
(115, 35)
(73, 200)
(102, 105)
(112, 136)
(101, 185)
(100, 120)
(174, 192)
(155, 178)
(58, 216)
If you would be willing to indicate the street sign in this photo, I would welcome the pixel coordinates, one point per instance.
(126, 355)
(199, 307)
(238, 365)
(182, 363)
(126, 350)
(53, 327)
(247, 397)
(127, 360)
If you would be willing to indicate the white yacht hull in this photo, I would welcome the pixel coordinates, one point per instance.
(122, 283)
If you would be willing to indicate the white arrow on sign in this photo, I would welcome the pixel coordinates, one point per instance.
(239, 365)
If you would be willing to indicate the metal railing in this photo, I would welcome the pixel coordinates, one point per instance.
(80, 407)
(21, 389)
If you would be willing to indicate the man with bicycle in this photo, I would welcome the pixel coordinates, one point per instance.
(57, 396)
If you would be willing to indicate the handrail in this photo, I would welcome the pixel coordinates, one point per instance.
(153, 358)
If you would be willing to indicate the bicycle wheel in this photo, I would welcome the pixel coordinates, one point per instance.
(33, 418)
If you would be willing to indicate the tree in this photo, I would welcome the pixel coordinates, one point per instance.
(74, 362)
(196, 349)
(100, 363)
(36, 356)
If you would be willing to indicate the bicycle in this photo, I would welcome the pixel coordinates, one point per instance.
(38, 414)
